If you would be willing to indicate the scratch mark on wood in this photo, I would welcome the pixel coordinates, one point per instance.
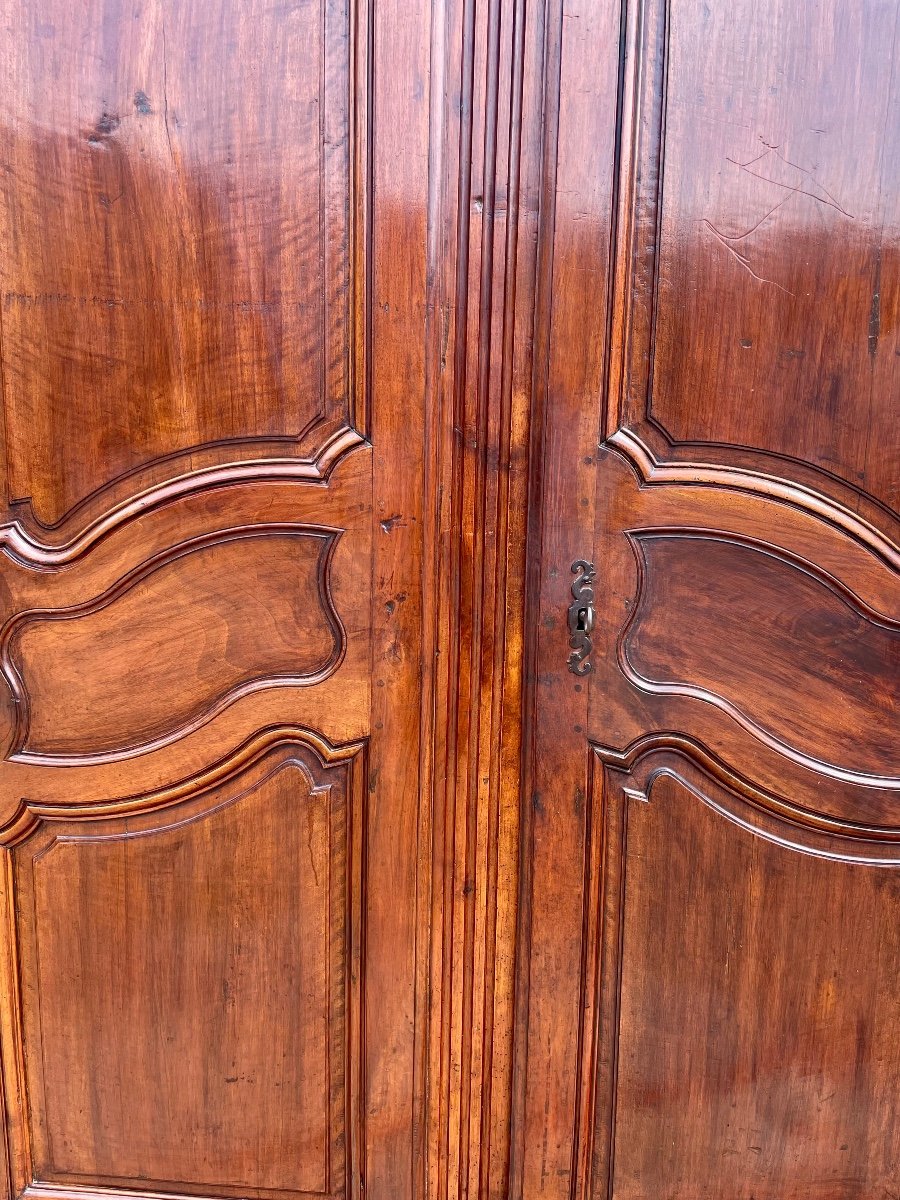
(166, 94)
(795, 189)
(742, 259)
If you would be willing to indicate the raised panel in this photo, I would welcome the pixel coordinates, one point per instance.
(747, 1036)
(778, 291)
(756, 287)
(184, 172)
(221, 314)
(709, 912)
(736, 622)
(187, 1005)
(173, 642)
(754, 626)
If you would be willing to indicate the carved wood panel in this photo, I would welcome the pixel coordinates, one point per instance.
(333, 334)
(709, 915)
(848, 655)
(756, 183)
(766, 1051)
(230, 237)
(218, 524)
(69, 668)
(236, 910)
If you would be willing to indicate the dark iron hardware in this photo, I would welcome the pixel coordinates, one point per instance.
(581, 616)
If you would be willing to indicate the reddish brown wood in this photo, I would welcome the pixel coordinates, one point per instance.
(182, 170)
(778, 152)
(710, 950)
(843, 720)
(215, 523)
(139, 934)
(333, 334)
(751, 1018)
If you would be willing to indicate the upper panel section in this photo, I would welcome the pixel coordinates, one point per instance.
(768, 227)
(175, 240)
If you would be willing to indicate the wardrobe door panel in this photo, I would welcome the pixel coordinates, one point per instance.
(709, 992)
(213, 276)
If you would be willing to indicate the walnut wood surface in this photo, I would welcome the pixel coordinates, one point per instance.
(333, 333)
(708, 999)
(143, 933)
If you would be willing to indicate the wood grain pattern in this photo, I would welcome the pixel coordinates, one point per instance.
(718, 438)
(780, 746)
(141, 194)
(768, 813)
(215, 289)
(333, 333)
(773, 616)
(482, 239)
(661, 223)
(575, 197)
(74, 700)
(259, 880)
(694, 1081)
(775, 153)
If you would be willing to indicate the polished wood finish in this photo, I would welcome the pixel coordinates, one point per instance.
(812, 626)
(271, 582)
(146, 197)
(333, 334)
(710, 946)
(754, 1028)
(211, 816)
(781, 143)
(253, 881)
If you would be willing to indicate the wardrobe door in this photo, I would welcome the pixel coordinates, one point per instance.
(709, 996)
(213, 291)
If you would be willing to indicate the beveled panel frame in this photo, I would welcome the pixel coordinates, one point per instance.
(22, 749)
(843, 597)
(342, 419)
(251, 764)
(629, 424)
(619, 779)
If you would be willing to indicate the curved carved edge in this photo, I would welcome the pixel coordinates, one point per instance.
(40, 1189)
(765, 813)
(706, 533)
(652, 470)
(630, 426)
(210, 809)
(13, 676)
(843, 593)
(30, 814)
(29, 551)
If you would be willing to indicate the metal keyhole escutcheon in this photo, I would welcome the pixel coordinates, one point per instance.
(581, 616)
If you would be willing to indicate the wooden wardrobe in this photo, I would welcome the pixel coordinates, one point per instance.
(450, 599)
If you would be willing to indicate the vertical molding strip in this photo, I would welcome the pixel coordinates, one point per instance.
(549, 40)
(486, 129)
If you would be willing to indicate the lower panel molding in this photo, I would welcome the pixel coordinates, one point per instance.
(261, 872)
(699, 904)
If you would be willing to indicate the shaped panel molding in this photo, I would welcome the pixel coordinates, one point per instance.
(172, 643)
(160, 201)
(260, 880)
(700, 898)
(749, 244)
(762, 620)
